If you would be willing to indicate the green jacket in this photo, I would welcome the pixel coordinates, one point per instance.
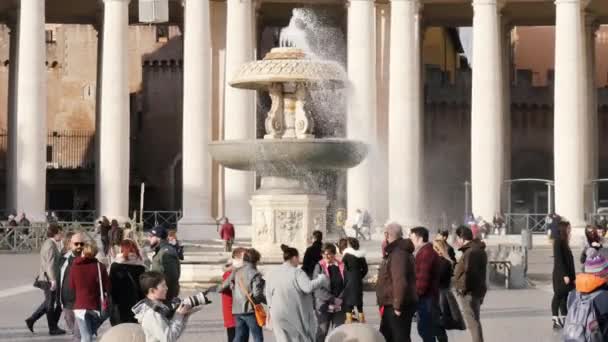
(166, 261)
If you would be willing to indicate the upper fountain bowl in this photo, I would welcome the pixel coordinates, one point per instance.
(288, 156)
(285, 65)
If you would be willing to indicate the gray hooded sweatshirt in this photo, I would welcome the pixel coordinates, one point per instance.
(153, 319)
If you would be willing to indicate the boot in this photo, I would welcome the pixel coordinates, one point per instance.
(361, 317)
(349, 318)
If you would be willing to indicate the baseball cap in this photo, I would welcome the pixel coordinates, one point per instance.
(159, 232)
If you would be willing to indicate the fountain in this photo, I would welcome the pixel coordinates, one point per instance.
(285, 209)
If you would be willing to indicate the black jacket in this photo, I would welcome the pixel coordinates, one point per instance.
(563, 266)
(445, 273)
(68, 297)
(126, 291)
(355, 269)
(312, 256)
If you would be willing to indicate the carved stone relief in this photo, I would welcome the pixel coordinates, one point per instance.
(288, 223)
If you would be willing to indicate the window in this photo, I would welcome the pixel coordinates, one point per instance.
(50, 36)
(162, 33)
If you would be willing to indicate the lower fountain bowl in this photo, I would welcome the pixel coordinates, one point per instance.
(288, 156)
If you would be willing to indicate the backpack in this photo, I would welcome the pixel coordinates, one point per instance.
(581, 322)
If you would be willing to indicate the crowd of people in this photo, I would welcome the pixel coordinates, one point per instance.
(116, 282)
(306, 303)
(580, 301)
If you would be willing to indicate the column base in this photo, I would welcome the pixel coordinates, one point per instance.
(286, 219)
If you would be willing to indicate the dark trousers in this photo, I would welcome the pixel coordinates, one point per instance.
(327, 321)
(396, 328)
(425, 323)
(471, 306)
(50, 307)
(558, 303)
(245, 325)
(231, 333)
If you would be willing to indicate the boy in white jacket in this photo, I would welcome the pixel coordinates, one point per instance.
(153, 315)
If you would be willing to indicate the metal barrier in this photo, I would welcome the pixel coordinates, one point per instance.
(30, 238)
(535, 223)
(165, 218)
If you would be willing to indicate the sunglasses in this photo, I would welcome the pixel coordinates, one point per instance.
(78, 244)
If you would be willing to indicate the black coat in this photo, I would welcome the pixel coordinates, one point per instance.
(355, 269)
(563, 266)
(125, 291)
(68, 296)
(312, 256)
(445, 273)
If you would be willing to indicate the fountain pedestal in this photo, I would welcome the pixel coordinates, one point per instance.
(286, 219)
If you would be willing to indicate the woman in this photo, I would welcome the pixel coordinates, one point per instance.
(328, 298)
(124, 277)
(246, 282)
(563, 273)
(90, 282)
(289, 294)
(236, 263)
(450, 315)
(355, 269)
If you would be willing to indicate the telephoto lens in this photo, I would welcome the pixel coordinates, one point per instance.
(196, 300)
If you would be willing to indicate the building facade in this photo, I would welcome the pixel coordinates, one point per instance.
(94, 103)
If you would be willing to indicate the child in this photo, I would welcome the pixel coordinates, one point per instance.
(355, 269)
(172, 239)
(590, 286)
(229, 323)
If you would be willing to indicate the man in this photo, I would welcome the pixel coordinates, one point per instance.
(227, 234)
(67, 295)
(154, 316)
(312, 256)
(427, 284)
(470, 279)
(47, 281)
(165, 260)
(396, 288)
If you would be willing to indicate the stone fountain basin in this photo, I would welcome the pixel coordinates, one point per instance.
(288, 156)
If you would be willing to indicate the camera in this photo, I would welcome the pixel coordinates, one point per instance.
(192, 301)
(196, 300)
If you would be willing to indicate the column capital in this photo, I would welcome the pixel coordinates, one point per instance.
(500, 4)
(583, 3)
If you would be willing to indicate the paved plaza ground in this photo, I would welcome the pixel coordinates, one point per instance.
(508, 315)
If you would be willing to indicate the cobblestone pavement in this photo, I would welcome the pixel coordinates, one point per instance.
(507, 315)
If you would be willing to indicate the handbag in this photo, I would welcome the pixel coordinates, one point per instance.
(258, 309)
(44, 285)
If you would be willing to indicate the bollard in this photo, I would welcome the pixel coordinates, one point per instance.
(526, 238)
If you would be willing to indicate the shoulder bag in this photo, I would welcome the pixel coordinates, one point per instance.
(258, 309)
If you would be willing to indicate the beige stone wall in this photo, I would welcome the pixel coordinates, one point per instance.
(534, 48)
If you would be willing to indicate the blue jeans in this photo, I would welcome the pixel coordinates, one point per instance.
(425, 319)
(247, 325)
(89, 325)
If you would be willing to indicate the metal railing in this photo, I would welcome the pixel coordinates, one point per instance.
(29, 238)
(535, 223)
(155, 218)
(68, 149)
(76, 215)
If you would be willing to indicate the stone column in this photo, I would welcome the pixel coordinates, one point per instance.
(196, 167)
(591, 27)
(239, 108)
(114, 119)
(11, 171)
(570, 108)
(29, 127)
(361, 119)
(405, 117)
(487, 110)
